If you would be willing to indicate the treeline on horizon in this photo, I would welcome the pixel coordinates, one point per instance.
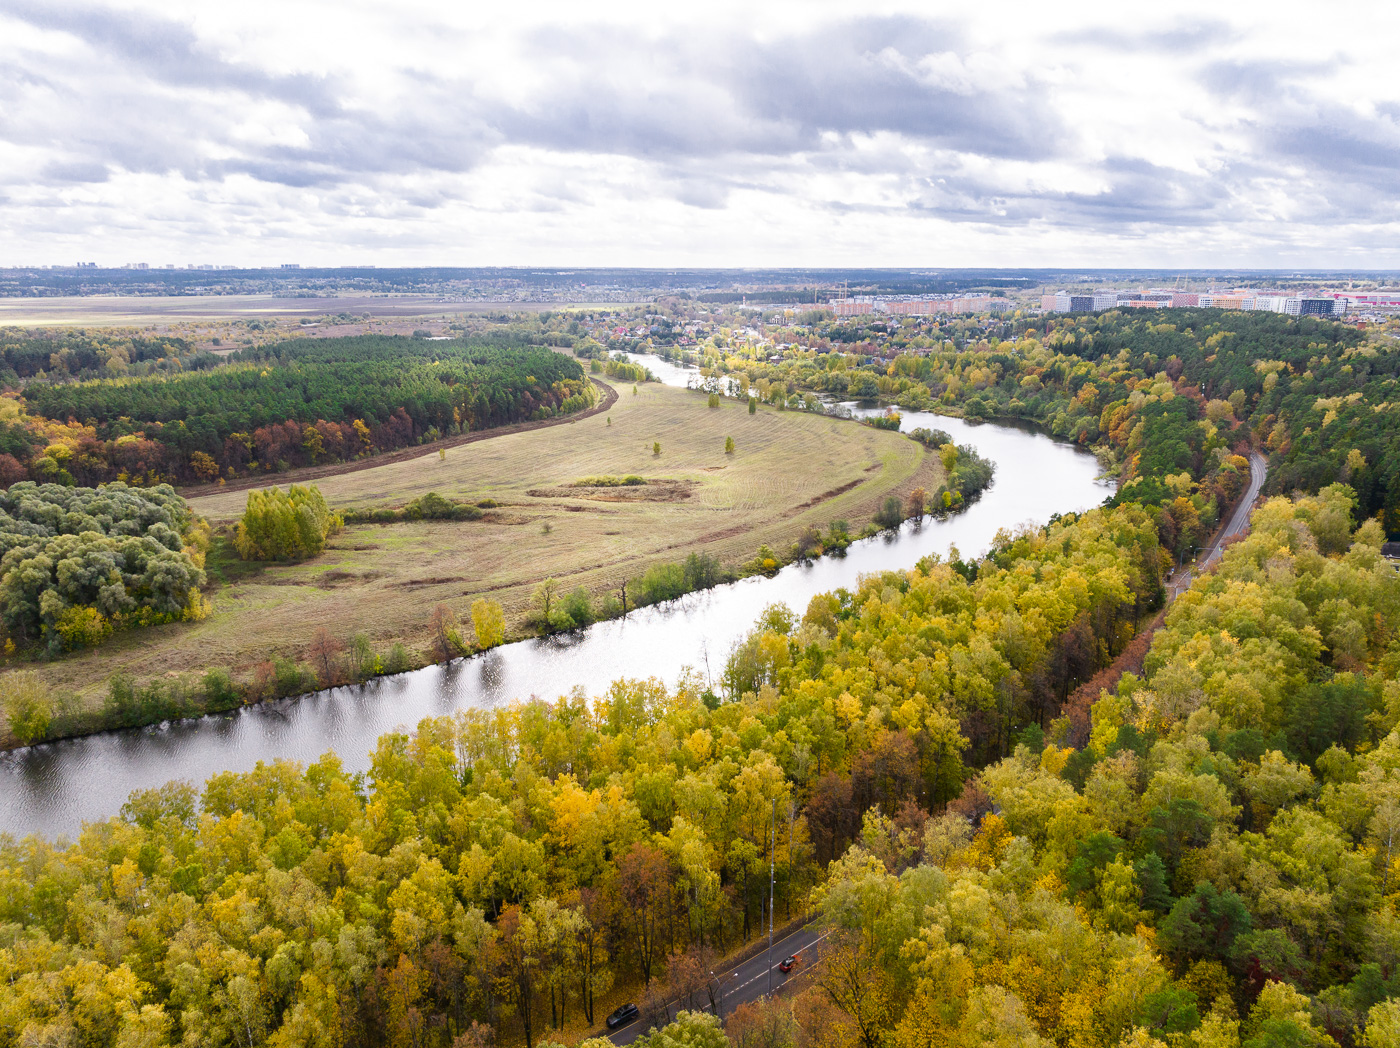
(278, 407)
(60, 356)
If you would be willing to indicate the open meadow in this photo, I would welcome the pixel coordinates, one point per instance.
(789, 471)
(143, 310)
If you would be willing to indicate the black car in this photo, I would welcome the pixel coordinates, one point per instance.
(622, 1016)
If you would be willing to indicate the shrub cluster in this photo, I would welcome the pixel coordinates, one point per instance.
(890, 420)
(631, 480)
(431, 506)
(618, 366)
(78, 563)
(930, 438)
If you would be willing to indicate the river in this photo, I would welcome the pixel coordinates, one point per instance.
(52, 789)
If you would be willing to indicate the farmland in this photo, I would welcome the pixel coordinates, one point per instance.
(789, 471)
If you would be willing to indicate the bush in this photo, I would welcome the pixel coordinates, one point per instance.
(290, 525)
(629, 481)
(702, 571)
(623, 368)
(661, 582)
(28, 707)
(291, 678)
(83, 626)
(220, 692)
(398, 660)
(765, 562)
(889, 420)
(891, 514)
(970, 473)
(431, 506)
(129, 706)
(930, 438)
(578, 607)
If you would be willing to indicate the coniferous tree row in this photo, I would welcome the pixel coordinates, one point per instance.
(292, 404)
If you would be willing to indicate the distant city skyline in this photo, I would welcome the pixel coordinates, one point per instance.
(776, 134)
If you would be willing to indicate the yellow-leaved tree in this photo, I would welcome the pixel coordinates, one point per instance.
(285, 525)
(489, 621)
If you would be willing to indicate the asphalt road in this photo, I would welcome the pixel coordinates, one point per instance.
(1238, 522)
(750, 980)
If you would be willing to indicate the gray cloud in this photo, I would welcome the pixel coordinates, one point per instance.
(905, 107)
(1262, 82)
(168, 52)
(734, 94)
(1183, 38)
(726, 97)
(1347, 157)
(842, 79)
(81, 171)
(1137, 194)
(116, 118)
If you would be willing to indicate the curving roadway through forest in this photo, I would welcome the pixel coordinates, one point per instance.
(1180, 582)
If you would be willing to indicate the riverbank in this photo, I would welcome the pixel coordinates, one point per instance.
(791, 475)
(54, 787)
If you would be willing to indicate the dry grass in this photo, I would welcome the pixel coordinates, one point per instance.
(790, 470)
(125, 310)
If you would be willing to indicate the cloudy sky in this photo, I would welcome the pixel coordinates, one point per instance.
(934, 134)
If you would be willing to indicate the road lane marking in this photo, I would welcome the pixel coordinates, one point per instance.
(733, 971)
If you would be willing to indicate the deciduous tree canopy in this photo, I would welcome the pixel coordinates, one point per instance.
(76, 563)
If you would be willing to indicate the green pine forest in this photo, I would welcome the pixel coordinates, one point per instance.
(277, 407)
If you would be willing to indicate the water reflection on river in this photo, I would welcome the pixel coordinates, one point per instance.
(52, 789)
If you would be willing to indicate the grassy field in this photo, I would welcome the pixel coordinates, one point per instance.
(129, 310)
(789, 470)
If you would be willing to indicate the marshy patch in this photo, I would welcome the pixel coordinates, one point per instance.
(657, 490)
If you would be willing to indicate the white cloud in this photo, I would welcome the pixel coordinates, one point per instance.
(733, 134)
